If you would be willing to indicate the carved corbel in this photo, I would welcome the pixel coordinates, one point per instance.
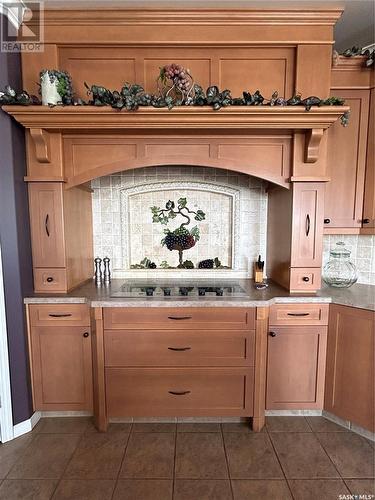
(312, 144)
(41, 139)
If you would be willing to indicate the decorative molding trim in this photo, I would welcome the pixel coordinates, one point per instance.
(6, 414)
(41, 140)
(231, 17)
(177, 119)
(212, 187)
(349, 425)
(293, 413)
(27, 425)
(313, 140)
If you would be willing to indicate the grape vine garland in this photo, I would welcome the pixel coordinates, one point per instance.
(176, 87)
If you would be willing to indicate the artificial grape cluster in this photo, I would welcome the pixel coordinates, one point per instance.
(206, 264)
(179, 75)
(179, 239)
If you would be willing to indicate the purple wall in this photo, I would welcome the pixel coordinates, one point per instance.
(15, 242)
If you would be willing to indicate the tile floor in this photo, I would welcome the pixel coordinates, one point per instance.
(292, 458)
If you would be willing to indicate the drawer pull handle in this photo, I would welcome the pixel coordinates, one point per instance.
(306, 279)
(272, 334)
(179, 393)
(49, 279)
(62, 315)
(307, 224)
(179, 348)
(298, 314)
(179, 318)
(46, 225)
(86, 334)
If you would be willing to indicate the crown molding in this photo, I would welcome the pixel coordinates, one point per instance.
(228, 17)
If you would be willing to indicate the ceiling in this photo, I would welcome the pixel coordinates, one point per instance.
(356, 26)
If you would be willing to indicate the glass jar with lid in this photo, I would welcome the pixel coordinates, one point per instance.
(339, 270)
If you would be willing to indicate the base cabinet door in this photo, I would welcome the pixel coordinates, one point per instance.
(61, 364)
(295, 367)
(350, 378)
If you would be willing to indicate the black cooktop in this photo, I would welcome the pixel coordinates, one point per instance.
(178, 288)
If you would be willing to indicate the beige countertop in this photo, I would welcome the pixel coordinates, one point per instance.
(360, 296)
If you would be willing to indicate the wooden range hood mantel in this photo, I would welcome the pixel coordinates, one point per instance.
(285, 50)
(184, 117)
(198, 122)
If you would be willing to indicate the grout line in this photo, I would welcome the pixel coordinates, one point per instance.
(227, 461)
(174, 462)
(122, 459)
(22, 453)
(316, 434)
(68, 462)
(281, 467)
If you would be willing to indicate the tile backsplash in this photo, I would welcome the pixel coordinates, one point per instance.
(362, 254)
(234, 229)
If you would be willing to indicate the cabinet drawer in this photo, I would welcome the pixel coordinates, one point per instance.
(179, 392)
(299, 314)
(50, 280)
(59, 315)
(305, 279)
(178, 348)
(179, 318)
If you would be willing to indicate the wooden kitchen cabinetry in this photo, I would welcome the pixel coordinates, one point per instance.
(296, 356)
(60, 357)
(178, 362)
(350, 374)
(349, 201)
(369, 196)
(295, 236)
(61, 236)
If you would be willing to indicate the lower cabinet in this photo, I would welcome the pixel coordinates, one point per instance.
(350, 377)
(178, 362)
(297, 340)
(60, 359)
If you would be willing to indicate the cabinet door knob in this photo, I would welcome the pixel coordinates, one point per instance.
(49, 279)
(327, 221)
(86, 334)
(306, 279)
(366, 221)
(272, 334)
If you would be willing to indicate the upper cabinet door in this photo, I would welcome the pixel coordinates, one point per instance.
(346, 163)
(47, 227)
(369, 201)
(307, 230)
